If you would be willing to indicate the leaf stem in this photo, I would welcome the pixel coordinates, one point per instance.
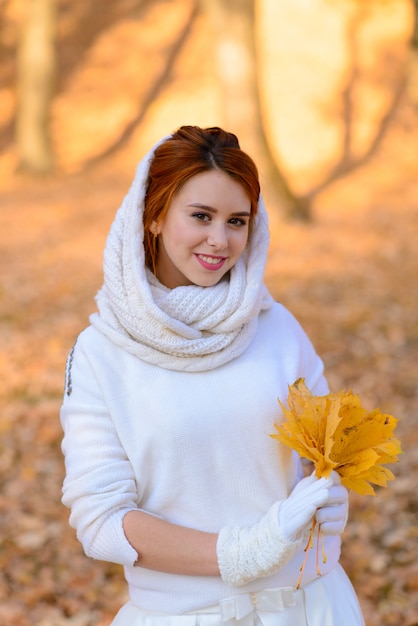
(318, 539)
(308, 546)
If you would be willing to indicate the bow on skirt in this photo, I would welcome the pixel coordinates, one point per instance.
(268, 605)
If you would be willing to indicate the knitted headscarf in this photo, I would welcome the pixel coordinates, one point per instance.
(189, 328)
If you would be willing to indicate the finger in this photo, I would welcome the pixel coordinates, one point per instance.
(331, 514)
(312, 483)
(332, 520)
(337, 495)
(311, 502)
(333, 528)
(326, 482)
(305, 483)
(336, 478)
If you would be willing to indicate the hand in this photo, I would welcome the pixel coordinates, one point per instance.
(333, 514)
(245, 554)
(298, 510)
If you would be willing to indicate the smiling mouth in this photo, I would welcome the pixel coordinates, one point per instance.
(211, 262)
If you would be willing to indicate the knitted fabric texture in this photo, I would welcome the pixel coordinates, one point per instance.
(188, 328)
(245, 554)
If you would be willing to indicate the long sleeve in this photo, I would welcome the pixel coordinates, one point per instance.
(99, 487)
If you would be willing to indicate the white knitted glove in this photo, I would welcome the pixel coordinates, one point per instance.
(333, 514)
(245, 554)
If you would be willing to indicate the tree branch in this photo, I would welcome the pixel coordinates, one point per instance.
(153, 93)
(347, 161)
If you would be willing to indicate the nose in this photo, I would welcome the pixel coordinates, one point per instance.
(217, 237)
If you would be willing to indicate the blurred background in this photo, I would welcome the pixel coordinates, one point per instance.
(324, 95)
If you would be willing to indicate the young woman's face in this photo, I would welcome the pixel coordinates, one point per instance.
(204, 231)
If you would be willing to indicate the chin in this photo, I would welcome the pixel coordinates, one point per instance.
(210, 281)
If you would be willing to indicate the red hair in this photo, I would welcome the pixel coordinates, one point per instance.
(189, 151)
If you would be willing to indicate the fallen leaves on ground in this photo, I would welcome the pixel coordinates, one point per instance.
(349, 277)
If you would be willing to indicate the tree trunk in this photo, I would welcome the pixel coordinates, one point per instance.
(233, 23)
(36, 71)
(413, 62)
(414, 39)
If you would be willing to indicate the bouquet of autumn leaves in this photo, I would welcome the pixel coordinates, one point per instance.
(336, 432)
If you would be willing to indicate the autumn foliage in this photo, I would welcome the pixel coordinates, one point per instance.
(336, 432)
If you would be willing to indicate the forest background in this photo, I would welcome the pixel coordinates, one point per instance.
(324, 95)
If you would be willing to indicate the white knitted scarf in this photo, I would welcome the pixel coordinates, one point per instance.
(188, 328)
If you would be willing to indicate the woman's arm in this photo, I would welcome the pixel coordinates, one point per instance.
(171, 548)
(239, 555)
(101, 489)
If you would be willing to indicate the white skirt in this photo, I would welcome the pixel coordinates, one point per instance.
(329, 600)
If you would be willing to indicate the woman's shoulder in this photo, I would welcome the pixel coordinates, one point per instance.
(90, 349)
(282, 332)
(279, 324)
(92, 340)
(93, 359)
(280, 316)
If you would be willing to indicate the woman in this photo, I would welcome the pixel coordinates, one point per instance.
(171, 394)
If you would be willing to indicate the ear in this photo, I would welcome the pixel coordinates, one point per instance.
(155, 228)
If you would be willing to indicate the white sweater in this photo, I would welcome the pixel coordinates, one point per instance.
(190, 447)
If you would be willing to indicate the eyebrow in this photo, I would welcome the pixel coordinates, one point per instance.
(211, 209)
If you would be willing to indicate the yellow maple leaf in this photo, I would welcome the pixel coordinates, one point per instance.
(336, 432)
